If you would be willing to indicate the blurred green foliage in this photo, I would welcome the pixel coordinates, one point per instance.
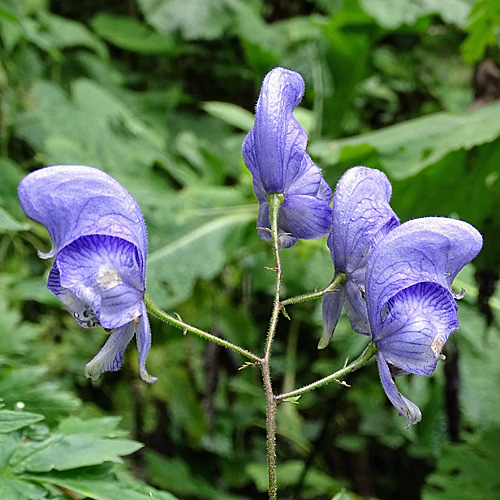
(160, 94)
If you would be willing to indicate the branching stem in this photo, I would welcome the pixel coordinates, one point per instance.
(177, 321)
(361, 360)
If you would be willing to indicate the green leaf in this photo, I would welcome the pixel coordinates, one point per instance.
(195, 19)
(73, 451)
(8, 222)
(230, 113)
(130, 34)
(13, 420)
(93, 127)
(405, 149)
(392, 14)
(14, 489)
(66, 33)
(27, 385)
(482, 28)
(99, 484)
(467, 470)
(103, 426)
(341, 495)
(199, 252)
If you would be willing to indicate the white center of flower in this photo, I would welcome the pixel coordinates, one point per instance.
(108, 277)
(437, 345)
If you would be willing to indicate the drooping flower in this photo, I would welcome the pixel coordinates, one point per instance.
(411, 306)
(361, 217)
(99, 243)
(275, 153)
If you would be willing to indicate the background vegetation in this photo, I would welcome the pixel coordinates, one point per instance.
(160, 94)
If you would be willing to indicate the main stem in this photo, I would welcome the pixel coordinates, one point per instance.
(275, 201)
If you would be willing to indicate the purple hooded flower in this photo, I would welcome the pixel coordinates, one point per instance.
(99, 243)
(411, 307)
(275, 153)
(361, 217)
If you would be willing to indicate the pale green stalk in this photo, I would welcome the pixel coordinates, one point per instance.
(363, 358)
(176, 321)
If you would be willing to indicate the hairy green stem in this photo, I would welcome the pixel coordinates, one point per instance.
(176, 321)
(338, 279)
(361, 360)
(275, 201)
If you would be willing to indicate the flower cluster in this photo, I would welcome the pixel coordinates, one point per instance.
(398, 277)
(99, 244)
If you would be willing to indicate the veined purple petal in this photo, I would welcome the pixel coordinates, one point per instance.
(331, 309)
(325, 192)
(305, 217)
(274, 147)
(104, 273)
(307, 180)
(356, 307)
(82, 312)
(419, 320)
(73, 201)
(110, 357)
(404, 406)
(143, 339)
(431, 249)
(360, 210)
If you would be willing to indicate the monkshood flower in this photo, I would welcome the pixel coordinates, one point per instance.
(411, 306)
(275, 153)
(361, 217)
(99, 244)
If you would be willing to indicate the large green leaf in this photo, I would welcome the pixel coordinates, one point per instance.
(394, 13)
(29, 387)
(482, 28)
(198, 246)
(71, 452)
(97, 483)
(13, 420)
(405, 149)
(174, 267)
(205, 19)
(91, 127)
(130, 34)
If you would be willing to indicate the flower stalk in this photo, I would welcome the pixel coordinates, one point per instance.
(360, 361)
(177, 321)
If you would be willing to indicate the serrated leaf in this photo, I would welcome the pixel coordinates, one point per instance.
(392, 14)
(90, 127)
(102, 426)
(27, 385)
(195, 19)
(70, 452)
(482, 28)
(13, 420)
(93, 482)
(198, 253)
